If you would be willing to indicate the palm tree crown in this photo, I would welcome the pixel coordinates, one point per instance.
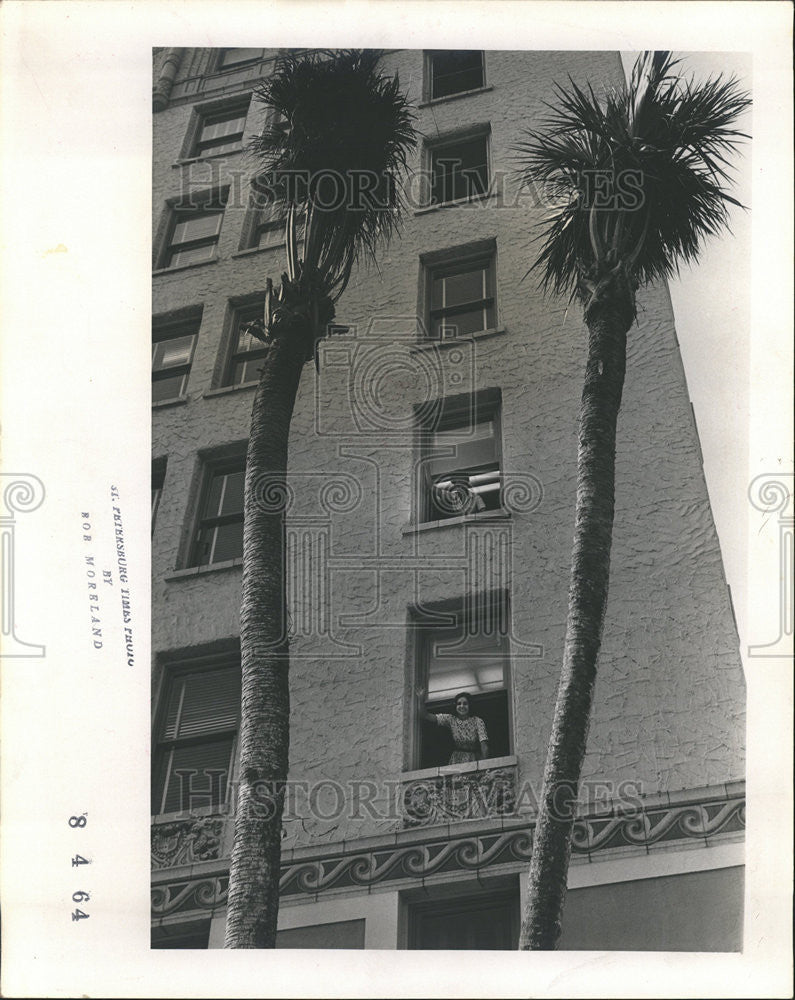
(337, 137)
(640, 173)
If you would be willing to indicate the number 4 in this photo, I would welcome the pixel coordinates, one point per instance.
(79, 915)
(78, 859)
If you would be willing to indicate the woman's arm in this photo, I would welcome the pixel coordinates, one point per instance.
(482, 737)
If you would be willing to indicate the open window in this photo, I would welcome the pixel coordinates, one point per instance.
(158, 478)
(453, 71)
(470, 652)
(459, 166)
(219, 529)
(460, 457)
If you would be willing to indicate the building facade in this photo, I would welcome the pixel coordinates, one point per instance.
(430, 510)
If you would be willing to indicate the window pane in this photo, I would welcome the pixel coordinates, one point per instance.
(456, 71)
(462, 324)
(197, 227)
(187, 791)
(225, 495)
(246, 371)
(192, 256)
(209, 702)
(168, 388)
(231, 57)
(232, 500)
(176, 351)
(460, 170)
(218, 128)
(228, 542)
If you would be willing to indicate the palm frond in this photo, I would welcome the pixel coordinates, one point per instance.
(337, 138)
(648, 161)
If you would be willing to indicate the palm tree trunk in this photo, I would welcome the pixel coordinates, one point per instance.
(253, 901)
(608, 320)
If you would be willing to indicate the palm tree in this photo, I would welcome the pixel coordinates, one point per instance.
(338, 134)
(638, 179)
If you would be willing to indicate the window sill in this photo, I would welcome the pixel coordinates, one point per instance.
(448, 522)
(219, 567)
(200, 159)
(489, 764)
(428, 345)
(474, 199)
(253, 250)
(225, 390)
(163, 404)
(183, 267)
(453, 97)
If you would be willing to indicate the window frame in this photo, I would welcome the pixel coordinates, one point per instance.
(444, 904)
(270, 217)
(449, 413)
(249, 61)
(211, 467)
(162, 748)
(238, 309)
(159, 466)
(179, 210)
(449, 141)
(431, 76)
(188, 325)
(455, 260)
(194, 147)
(455, 613)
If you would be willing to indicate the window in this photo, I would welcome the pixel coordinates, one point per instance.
(469, 654)
(247, 352)
(459, 469)
(267, 221)
(193, 757)
(454, 72)
(172, 353)
(193, 231)
(158, 477)
(459, 168)
(220, 131)
(462, 299)
(487, 921)
(219, 535)
(237, 57)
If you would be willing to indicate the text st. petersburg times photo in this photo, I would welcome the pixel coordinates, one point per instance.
(449, 616)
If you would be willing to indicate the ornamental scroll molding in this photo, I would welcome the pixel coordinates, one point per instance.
(449, 798)
(184, 842)
(592, 835)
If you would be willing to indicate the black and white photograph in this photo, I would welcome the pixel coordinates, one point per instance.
(460, 619)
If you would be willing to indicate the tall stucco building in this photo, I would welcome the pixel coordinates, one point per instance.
(432, 486)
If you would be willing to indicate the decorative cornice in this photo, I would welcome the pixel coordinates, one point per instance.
(184, 842)
(363, 869)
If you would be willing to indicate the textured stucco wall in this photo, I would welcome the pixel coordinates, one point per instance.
(669, 698)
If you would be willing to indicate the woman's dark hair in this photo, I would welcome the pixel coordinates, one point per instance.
(464, 694)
